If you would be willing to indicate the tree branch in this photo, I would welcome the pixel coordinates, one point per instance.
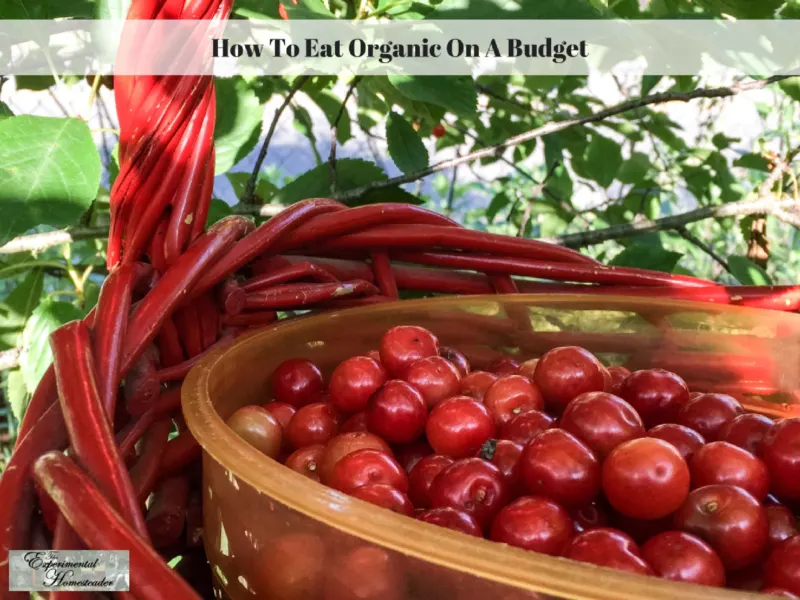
(742, 208)
(262, 154)
(39, 242)
(335, 131)
(693, 239)
(556, 126)
(537, 191)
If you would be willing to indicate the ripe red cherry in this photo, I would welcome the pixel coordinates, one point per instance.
(354, 381)
(685, 440)
(591, 516)
(438, 131)
(657, 395)
(306, 461)
(367, 466)
(505, 455)
(297, 382)
(357, 422)
(397, 412)
(721, 462)
(259, 428)
(476, 383)
(510, 396)
(602, 421)
(528, 368)
(458, 359)
(421, 477)
(526, 426)
(313, 424)
(709, 413)
(410, 454)
(608, 548)
(343, 444)
(404, 344)
(782, 523)
(503, 366)
(472, 485)
(459, 426)
(533, 523)
(645, 478)
(679, 556)
(385, 496)
(782, 569)
(564, 373)
(747, 431)
(781, 453)
(557, 465)
(457, 520)
(435, 378)
(284, 413)
(281, 411)
(730, 520)
(618, 375)
(366, 573)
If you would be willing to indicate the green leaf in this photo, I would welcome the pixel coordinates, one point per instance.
(50, 172)
(307, 10)
(649, 82)
(264, 189)
(635, 169)
(316, 183)
(18, 396)
(519, 9)
(217, 210)
(752, 160)
(330, 105)
(36, 355)
(113, 166)
(456, 94)
(46, 9)
(647, 256)
(405, 147)
(602, 160)
(498, 203)
(5, 111)
(238, 122)
(747, 272)
(112, 10)
(18, 306)
(351, 173)
(791, 87)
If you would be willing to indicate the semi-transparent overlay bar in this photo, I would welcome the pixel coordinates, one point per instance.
(333, 47)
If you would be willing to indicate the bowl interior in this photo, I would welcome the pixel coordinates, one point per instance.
(253, 503)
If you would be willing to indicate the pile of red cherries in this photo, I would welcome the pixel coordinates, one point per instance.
(558, 455)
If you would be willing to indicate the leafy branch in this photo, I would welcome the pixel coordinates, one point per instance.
(555, 127)
(762, 204)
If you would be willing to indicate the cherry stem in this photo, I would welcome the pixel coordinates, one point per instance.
(488, 449)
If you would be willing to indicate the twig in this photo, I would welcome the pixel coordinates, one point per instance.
(451, 192)
(556, 126)
(39, 242)
(734, 209)
(693, 239)
(335, 131)
(535, 193)
(250, 189)
(9, 359)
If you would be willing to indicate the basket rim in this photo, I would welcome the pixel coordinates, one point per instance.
(489, 560)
